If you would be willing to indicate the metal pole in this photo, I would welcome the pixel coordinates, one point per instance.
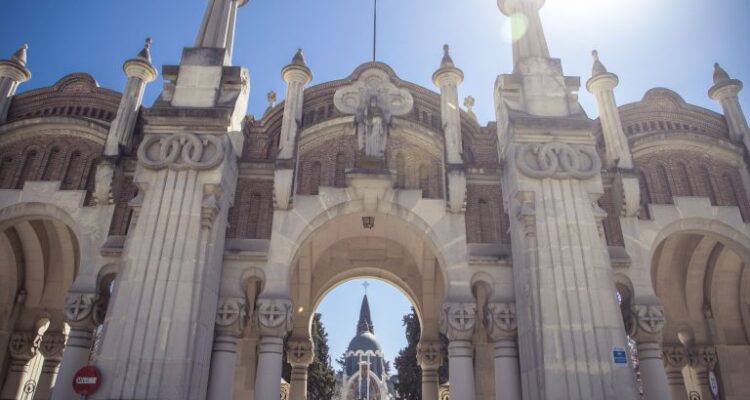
(375, 31)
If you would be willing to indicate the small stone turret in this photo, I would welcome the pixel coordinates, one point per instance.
(13, 72)
(725, 91)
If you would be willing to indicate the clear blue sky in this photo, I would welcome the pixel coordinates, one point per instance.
(648, 43)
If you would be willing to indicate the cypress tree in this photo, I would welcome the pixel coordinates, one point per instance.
(321, 379)
(409, 385)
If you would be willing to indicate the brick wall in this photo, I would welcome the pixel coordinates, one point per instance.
(486, 220)
(251, 216)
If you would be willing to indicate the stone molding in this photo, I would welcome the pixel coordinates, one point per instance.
(23, 346)
(674, 356)
(393, 100)
(231, 316)
(181, 152)
(558, 160)
(52, 346)
(645, 322)
(300, 352)
(458, 320)
(84, 310)
(274, 317)
(430, 354)
(501, 321)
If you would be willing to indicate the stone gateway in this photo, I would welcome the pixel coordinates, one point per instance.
(176, 246)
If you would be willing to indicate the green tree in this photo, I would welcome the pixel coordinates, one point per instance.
(321, 378)
(409, 386)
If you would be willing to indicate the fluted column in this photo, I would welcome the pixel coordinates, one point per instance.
(83, 312)
(502, 327)
(13, 72)
(274, 321)
(300, 354)
(430, 358)
(646, 327)
(23, 347)
(231, 319)
(52, 346)
(458, 321)
(675, 361)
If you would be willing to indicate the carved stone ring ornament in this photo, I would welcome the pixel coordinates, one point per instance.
(501, 320)
(231, 315)
(274, 316)
(52, 346)
(300, 352)
(24, 345)
(650, 319)
(675, 356)
(79, 306)
(181, 151)
(430, 354)
(558, 160)
(458, 320)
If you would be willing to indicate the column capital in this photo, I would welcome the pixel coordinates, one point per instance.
(83, 310)
(458, 320)
(231, 316)
(24, 345)
(274, 316)
(300, 352)
(702, 357)
(501, 322)
(674, 356)
(645, 322)
(52, 346)
(430, 354)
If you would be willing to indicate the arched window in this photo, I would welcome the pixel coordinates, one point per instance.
(400, 171)
(705, 186)
(6, 172)
(486, 222)
(340, 173)
(664, 188)
(424, 181)
(28, 167)
(53, 165)
(315, 177)
(73, 172)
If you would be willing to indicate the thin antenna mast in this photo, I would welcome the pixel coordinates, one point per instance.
(375, 31)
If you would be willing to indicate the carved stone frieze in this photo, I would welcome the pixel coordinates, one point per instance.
(501, 320)
(375, 83)
(430, 354)
(300, 352)
(458, 320)
(181, 151)
(558, 160)
(674, 356)
(274, 317)
(23, 346)
(231, 316)
(52, 346)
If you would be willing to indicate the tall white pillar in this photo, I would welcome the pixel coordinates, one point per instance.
(23, 347)
(430, 358)
(274, 321)
(83, 312)
(458, 322)
(231, 319)
(52, 346)
(502, 327)
(13, 72)
(675, 360)
(300, 354)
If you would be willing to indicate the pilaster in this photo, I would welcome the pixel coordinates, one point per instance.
(51, 347)
(300, 354)
(430, 358)
(231, 319)
(502, 327)
(274, 318)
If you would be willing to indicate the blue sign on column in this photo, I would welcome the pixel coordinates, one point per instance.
(619, 356)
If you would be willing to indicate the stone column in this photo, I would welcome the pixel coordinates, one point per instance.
(702, 360)
(231, 319)
(502, 328)
(430, 358)
(675, 361)
(52, 346)
(296, 75)
(457, 322)
(274, 321)
(218, 27)
(13, 72)
(645, 328)
(6, 331)
(300, 354)
(23, 347)
(83, 313)
(726, 91)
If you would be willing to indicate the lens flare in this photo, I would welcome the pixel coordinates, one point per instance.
(515, 27)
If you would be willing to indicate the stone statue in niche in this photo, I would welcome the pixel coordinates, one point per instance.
(372, 129)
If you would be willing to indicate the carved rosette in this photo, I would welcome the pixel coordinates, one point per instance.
(23, 346)
(558, 160)
(674, 356)
(84, 310)
(274, 317)
(430, 354)
(703, 357)
(646, 322)
(231, 316)
(501, 321)
(52, 346)
(300, 352)
(458, 320)
(181, 151)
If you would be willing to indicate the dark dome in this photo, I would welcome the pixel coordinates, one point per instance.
(365, 341)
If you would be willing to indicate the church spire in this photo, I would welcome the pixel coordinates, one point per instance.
(365, 321)
(217, 29)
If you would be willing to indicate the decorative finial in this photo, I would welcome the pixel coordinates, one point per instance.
(720, 75)
(20, 55)
(271, 96)
(299, 58)
(447, 60)
(145, 53)
(469, 103)
(366, 285)
(598, 68)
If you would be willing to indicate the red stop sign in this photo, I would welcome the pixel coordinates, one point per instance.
(87, 380)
